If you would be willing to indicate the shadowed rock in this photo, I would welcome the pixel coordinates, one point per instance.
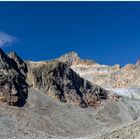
(59, 81)
(21, 65)
(13, 87)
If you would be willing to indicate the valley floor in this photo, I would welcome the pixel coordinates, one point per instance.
(44, 117)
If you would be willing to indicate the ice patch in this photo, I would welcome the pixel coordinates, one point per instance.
(127, 92)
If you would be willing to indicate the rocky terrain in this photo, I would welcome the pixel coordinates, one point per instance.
(59, 81)
(53, 78)
(68, 98)
(104, 75)
(13, 87)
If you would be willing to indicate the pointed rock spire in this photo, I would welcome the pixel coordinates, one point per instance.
(70, 58)
(20, 63)
(4, 61)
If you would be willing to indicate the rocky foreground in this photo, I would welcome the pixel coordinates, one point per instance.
(61, 98)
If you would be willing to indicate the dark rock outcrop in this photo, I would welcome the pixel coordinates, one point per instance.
(13, 87)
(53, 78)
(21, 65)
(59, 81)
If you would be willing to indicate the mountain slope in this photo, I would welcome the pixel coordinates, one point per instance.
(44, 117)
(59, 81)
(104, 75)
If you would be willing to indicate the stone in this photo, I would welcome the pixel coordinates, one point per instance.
(11, 81)
(59, 81)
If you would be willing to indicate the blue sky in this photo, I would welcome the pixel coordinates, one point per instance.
(108, 32)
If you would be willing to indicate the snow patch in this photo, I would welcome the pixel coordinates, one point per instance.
(127, 92)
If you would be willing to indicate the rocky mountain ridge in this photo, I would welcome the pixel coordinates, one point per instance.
(53, 78)
(104, 75)
(72, 58)
(13, 87)
(59, 78)
(50, 90)
(59, 81)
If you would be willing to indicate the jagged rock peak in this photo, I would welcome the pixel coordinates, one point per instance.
(14, 56)
(72, 54)
(69, 58)
(72, 58)
(20, 63)
(4, 61)
(13, 86)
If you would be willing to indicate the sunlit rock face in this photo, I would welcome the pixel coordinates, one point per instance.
(59, 81)
(53, 78)
(72, 58)
(67, 79)
(104, 75)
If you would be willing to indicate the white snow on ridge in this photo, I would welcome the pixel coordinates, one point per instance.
(127, 92)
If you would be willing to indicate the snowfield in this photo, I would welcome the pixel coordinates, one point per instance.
(132, 93)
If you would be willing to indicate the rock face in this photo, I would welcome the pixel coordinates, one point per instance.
(54, 78)
(13, 88)
(59, 81)
(20, 63)
(104, 75)
(72, 58)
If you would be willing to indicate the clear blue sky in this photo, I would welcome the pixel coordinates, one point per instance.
(108, 32)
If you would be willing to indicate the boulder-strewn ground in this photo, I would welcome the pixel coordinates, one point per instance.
(44, 117)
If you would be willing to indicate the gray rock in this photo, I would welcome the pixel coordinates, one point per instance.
(59, 81)
(12, 82)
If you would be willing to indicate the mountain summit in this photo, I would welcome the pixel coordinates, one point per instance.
(13, 87)
(72, 58)
(4, 61)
